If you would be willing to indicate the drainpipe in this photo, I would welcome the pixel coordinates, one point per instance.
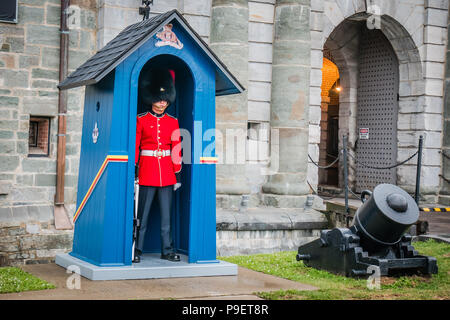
(61, 216)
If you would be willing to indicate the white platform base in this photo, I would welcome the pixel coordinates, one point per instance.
(150, 267)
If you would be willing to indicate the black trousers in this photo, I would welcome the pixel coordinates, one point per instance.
(146, 195)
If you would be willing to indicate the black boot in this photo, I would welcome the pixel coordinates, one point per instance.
(171, 257)
(137, 256)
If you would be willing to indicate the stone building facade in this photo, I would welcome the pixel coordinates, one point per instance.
(276, 49)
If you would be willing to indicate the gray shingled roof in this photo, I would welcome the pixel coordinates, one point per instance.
(129, 40)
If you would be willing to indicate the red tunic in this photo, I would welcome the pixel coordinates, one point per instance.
(158, 133)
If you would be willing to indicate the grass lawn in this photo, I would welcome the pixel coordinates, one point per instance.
(14, 279)
(284, 265)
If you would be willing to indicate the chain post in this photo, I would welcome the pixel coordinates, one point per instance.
(419, 168)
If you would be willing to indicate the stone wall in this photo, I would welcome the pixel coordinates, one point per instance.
(444, 196)
(417, 33)
(29, 73)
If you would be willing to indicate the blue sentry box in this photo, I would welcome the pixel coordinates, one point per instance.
(105, 198)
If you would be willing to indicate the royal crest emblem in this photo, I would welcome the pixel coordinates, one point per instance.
(168, 38)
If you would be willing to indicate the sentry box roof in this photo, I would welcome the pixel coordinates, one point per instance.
(129, 40)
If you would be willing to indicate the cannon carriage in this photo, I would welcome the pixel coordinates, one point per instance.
(377, 238)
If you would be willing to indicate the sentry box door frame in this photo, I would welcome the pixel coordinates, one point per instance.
(201, 238)
(103, 234)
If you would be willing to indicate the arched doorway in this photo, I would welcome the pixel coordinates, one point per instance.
(395, 62)
(329, 125)
(182, 110)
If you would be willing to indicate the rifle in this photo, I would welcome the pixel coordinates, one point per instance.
(136, 223)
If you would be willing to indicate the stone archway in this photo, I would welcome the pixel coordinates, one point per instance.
(340, 35)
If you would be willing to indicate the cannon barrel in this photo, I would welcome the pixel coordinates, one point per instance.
(384, 218)
(376, 239)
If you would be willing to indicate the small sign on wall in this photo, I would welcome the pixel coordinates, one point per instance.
(363, 133)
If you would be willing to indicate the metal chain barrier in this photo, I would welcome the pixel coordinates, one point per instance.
(383, 168)
(323, 167)
(345, 153)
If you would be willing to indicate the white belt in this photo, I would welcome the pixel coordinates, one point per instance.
(155, 153)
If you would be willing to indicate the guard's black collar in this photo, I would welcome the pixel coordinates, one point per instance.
(153, 113)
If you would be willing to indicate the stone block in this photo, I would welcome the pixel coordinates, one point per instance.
(260, 52)
(333, 12)
(5, 188)
(316, 59)
(434, 35)
(8, 163)
(316, 77)
(7, 147)
(292, 23)
(87, 41)
(434, 70)
(259, 91)
(10, 102)
(315, 96)
(260, 32)
(44, 84)
(261, 12)
(410, 139)
(260, 71)
(89, 19)
(438, 4)
(436, 17)
(33, 228)
(53, 15)
(5, 215)
(229, 24)
(434, 87)
(28, 61)
(292, 52)
(43, 35)
(78, 57)
(317, 40)
(316, 21)
(317, 6)
(432, 104)
(16, 44)
(9, 244)
(315, 115)
(258, 111)
(39, 165)
(314, 134)
(13, 78)
(432, 52)
(40, 106)
(39, 73)
(346, 7)
(200, 24)
(236, 59)
(197, 7)
(50, 58)
(6, 134)
(45, 180)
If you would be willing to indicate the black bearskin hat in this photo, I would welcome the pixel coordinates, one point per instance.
(156, 85)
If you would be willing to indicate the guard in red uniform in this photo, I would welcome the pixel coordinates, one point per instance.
(158, 157)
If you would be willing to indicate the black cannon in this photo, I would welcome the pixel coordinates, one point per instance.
(377, 238)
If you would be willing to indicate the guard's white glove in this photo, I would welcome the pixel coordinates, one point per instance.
(176, 186)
